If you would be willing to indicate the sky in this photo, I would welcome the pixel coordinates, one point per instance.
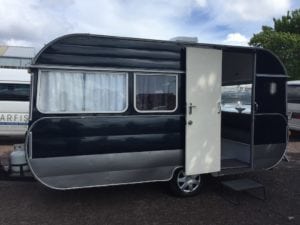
(36, 22)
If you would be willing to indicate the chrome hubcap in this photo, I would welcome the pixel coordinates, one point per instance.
(188, 183)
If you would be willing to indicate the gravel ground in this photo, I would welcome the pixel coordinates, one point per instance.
(31, 203)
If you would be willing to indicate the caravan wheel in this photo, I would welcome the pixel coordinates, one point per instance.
(183, 185)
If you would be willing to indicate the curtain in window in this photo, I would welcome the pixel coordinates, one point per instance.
(155, 92)
(61, 91)
(105, 92)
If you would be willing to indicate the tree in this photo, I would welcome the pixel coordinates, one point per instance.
(283, 40)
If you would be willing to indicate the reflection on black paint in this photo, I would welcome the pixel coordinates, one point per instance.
(55, 137)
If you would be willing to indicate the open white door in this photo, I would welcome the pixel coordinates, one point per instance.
(203, 116)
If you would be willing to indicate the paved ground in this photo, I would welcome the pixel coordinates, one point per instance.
(30, 203)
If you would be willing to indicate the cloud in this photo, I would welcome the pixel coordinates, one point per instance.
(236, 39)
(248, 11)
(32, 22)
(13, 42)
(153, 19)
(37, 22)
(201, 3)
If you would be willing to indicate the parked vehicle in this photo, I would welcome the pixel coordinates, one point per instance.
(294, 104)
(109, 110)
(14, 103)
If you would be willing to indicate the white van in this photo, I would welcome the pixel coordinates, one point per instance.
(14, 102)
(294, 104)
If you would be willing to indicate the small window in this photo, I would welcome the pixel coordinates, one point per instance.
(155, 93)
(236, 98)
(82, 92)
(14, 92)
(293, 93)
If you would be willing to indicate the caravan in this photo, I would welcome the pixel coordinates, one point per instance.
(109, 110)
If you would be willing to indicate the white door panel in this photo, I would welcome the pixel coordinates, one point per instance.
(203, 117)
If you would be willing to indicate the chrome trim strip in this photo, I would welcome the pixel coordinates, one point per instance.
(31, 96)
(41, 66)
(279, 160)
(272, 75)
(272, 114)
(106, 185)
(229, 140)
(111, 167)
(98, 163)
(30, 146)
(82, 117)
(101, 116)
(253, 112)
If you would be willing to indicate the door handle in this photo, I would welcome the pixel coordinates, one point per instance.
(191, 106)
(255, 106)
(219, 107)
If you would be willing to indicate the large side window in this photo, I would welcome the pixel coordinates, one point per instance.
(155, 93)
(75, 92)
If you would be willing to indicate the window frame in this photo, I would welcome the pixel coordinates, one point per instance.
(154, 111)
(293, 100)
(82, 71)
(15, 84)
(238, 100)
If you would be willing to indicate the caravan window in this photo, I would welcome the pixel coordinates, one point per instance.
(155, 93)
(14, 92)
(293, 93)
(236, 98)
(75, 92)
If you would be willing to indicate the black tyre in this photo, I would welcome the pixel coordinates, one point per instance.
(185, 186)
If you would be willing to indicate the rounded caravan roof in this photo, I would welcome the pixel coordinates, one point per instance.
(14, 76)
(98, 51)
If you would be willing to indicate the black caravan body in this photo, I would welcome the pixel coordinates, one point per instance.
(109, 110)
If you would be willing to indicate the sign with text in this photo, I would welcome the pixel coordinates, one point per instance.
(14, 119)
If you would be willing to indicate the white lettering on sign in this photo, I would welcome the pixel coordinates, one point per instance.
(13, 118)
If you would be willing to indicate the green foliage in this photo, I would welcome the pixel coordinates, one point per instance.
(283, 40)
(289, 23)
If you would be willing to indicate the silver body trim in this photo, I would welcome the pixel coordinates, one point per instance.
(271, 75)
(253, 111)
(75, 172)
(275, 150)
(30, 146)
(31, 96)
(112, 69)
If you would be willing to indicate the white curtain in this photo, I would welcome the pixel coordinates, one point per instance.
(155, 92)
(105, 92)
(73, 92)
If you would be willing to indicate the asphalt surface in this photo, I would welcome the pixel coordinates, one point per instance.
(31, 203)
